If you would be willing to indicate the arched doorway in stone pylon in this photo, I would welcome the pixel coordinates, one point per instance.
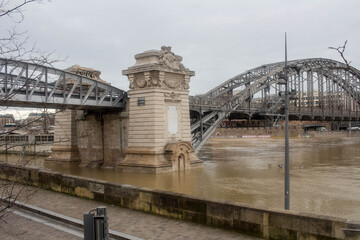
(179, 155)
(181, 162)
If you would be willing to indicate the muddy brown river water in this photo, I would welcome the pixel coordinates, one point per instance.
(325, 174)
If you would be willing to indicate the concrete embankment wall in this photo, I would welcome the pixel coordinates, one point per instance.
(264, 223)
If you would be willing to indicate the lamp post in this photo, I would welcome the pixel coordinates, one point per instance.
(287, 161)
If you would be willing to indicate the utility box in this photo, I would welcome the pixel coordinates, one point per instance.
(96, 225)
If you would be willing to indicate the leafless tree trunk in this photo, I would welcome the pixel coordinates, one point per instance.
(15, 46)
(353, 71)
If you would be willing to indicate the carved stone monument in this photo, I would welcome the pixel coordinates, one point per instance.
(159, 135)
(86, 72)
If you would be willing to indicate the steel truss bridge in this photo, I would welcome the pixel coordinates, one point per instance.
(320, 89)
(24, 84)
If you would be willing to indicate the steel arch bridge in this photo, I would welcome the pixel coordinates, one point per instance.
(24, 84)
(320, 89)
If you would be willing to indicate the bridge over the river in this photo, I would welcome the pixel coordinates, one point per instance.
(24, 84)
(320, 89)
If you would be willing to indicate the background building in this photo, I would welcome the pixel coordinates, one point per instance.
(5, 119)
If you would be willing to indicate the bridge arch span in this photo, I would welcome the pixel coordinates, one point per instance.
(319, 89)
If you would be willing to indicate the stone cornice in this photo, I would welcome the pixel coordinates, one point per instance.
(154, 67)
(155, 60)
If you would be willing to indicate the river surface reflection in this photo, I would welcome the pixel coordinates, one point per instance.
(325, 174)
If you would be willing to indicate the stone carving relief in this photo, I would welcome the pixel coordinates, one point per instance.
(148, 79)
(186, 83)
(86, 72)
(173, 84)
(132, 81)
(157, 79)
(161, 79)
(161, 69)
(141, 82)
(172, 96)
(154, 79)
(169, 60)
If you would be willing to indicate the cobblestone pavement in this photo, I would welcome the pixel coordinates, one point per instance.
(135, 223)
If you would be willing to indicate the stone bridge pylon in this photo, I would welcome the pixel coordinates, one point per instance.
(152, 135)
(159, 135)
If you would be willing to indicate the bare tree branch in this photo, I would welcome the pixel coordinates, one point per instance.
(17, 10)
(341, 51)
(15, 45)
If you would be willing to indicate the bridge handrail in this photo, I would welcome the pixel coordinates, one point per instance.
(39, 80)
(55, 71)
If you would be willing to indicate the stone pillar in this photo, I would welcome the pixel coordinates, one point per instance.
(72, 135)
(102, 138)
(115, 138)
(65, 148)
(159, 135)
(90, 140)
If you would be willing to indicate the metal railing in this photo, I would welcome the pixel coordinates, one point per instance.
(28, 84)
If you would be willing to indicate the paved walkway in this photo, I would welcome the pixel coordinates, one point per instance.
(135, 223)
(14, 227)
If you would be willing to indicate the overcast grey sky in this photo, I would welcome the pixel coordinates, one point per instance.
(217, 39)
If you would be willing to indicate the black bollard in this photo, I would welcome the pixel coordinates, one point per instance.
(96, 225)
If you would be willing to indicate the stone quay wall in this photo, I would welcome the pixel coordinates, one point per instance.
(278, 131)
(265, 223)
(295, 130)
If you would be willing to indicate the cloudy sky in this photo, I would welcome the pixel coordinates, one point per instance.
(217, 39)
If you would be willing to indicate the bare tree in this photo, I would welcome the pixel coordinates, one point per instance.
(15, 45)
(341, 51)
(353, 71)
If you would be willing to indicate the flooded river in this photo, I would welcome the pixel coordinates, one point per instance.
(325, 174)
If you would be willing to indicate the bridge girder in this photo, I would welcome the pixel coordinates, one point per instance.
(24, 84)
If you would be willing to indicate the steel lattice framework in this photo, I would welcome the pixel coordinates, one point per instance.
(24, 84)
(321, 89)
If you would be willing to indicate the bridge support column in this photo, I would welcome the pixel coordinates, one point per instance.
(102, 138)
(115, 137)
(159, 137)
(65, 148)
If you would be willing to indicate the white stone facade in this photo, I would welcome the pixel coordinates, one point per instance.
(159, 114)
